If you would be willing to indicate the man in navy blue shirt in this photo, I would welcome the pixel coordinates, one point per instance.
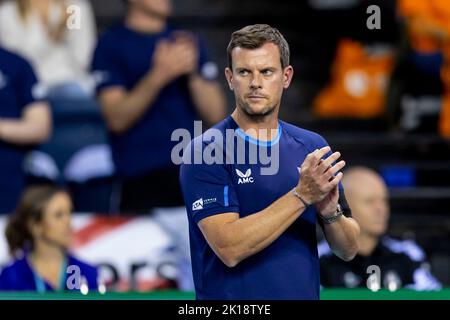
(253, 211)
(152, 79)
(25, 120)
(402, 263)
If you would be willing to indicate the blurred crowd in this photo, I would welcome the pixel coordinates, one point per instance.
(94, 111)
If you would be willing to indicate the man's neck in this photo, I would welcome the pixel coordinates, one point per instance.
(367, 244)
(261, 128)
(140, 21)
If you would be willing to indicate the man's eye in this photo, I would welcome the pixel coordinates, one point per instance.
(266, 72)
(243, 72)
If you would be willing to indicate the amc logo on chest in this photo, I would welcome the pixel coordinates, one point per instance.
(245, 177)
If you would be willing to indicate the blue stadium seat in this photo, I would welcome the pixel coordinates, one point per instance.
(78, 128)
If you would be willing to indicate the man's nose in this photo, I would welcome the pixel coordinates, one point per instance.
(255, 83)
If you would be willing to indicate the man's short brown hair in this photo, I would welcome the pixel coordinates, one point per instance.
(254, 37)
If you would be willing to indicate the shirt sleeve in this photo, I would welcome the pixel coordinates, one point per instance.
(105, 69)
(343, 202)
(207, 190)
(27, 86)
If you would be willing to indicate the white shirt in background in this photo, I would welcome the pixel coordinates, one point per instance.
(67, 61)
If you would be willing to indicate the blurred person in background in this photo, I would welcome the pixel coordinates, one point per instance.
(358, 81)
(428, 33)
(39, 236)
(25, 121)
(152, 79)
(346, 70)
(401, 263)
(56, 36)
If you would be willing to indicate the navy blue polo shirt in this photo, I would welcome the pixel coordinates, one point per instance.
(286, 269)
(18, 89)
(122, 58)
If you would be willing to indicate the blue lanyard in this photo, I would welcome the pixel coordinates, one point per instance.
(40, 284)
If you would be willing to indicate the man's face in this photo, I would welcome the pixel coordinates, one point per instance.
(368, 199)
(160, 8)
(258, 79)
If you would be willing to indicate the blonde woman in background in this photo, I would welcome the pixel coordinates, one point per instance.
(38, 30)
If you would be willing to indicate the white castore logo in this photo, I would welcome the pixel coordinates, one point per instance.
(197, 205)
(244, 177)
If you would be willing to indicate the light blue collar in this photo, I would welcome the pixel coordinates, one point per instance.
(260, 143)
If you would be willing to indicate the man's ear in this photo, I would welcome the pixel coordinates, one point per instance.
(288, 73)
(229, 76)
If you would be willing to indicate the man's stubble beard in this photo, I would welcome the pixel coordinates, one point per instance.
(247, 110)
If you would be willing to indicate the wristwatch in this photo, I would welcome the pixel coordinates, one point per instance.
(333, 218)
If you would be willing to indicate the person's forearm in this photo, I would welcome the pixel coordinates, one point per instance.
(249, 235)
(342, 237)
(22, 132)
(127, 111)
(208, 99)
